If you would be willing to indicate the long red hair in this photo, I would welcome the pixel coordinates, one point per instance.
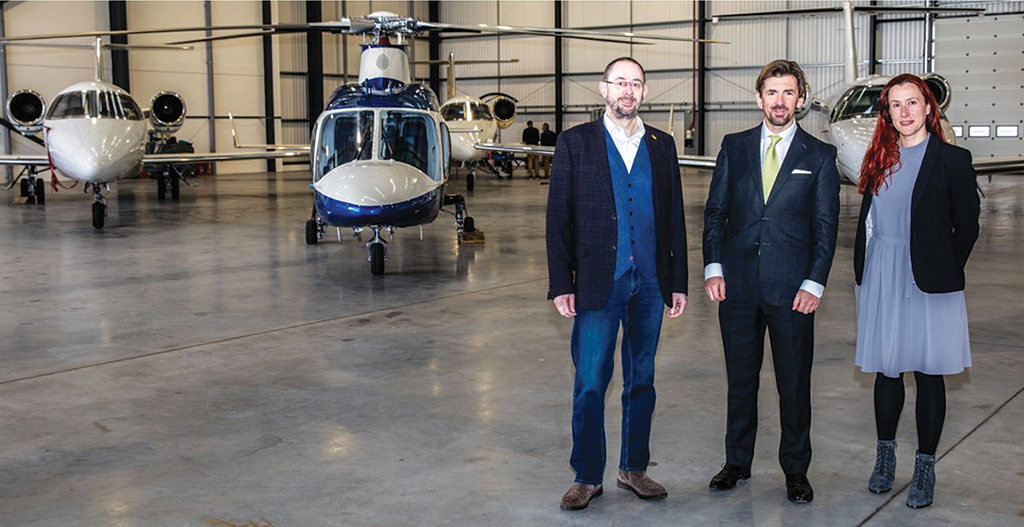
(883, 156)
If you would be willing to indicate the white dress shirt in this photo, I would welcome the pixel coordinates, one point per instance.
(781, 148)
(626, 145)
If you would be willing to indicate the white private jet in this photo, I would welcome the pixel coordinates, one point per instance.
(847, 119)
(94, 133)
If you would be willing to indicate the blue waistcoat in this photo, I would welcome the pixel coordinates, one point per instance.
(634, 208)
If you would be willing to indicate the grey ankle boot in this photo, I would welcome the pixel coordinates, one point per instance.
(885, 467)
(922, 488)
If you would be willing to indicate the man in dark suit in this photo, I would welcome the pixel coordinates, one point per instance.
(531, 137)
(616, 255)
(547, 138)
(770, 234)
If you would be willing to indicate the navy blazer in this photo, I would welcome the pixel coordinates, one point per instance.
(944, 209)
(582, 229)
(785, 241)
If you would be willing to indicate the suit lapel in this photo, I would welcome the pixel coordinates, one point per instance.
(796, 152)
(752, 144)
(603, 174)
(928, 164)
(651, 139)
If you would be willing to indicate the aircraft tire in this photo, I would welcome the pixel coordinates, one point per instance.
(98, 215)
(470, 181)
(175, 188)
(311, 238)
(40, 192)
(468, 225)
(377, 259)
(161, 189)
(24, 188)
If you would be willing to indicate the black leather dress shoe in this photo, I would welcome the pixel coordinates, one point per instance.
(728, 476)
(798, 488)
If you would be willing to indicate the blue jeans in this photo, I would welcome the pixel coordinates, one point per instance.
(636, 303)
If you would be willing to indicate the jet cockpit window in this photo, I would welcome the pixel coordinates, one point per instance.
(454, 112)
(861, 101)
(69, 106)
(480, 111)
(117, 106)
(344, 137)
(411, 138)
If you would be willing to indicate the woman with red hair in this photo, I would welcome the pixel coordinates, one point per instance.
(918, 223)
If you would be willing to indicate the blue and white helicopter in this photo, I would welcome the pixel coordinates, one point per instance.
(381, 151)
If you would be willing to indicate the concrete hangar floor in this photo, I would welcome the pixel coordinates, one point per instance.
(197, 364)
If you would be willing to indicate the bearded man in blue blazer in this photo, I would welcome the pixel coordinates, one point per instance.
(616, 256)
(770, 234)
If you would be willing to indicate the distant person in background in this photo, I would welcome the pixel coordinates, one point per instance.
(547, 138)
(531, 137)
(918, 223)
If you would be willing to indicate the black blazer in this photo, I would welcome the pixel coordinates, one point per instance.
(582, 229)
(781, 243)
(944, 211)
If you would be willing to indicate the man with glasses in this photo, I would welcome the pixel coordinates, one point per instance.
(616, 245)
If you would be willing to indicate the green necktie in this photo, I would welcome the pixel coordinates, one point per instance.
(770, 167)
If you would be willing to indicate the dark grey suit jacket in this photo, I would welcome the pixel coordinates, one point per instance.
(779, 244)
(582, 229)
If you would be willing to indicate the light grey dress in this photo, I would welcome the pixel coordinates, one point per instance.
(899, 327)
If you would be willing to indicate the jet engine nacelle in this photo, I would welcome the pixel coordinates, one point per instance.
(26, 109)
(167, 112)
(503, 107)
(940, 89)
(803, 110)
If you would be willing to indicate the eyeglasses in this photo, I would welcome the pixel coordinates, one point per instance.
(623, 84)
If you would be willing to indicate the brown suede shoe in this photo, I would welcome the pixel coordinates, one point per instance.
(641, 484)
(579, 496)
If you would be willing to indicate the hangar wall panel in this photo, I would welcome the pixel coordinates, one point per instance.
(650, 12)
(483, 12)
(589, 14)
(536, 55)
(528, 13)
(667, 55)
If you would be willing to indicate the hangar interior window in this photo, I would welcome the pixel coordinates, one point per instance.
(344, 137)
(411, 138)
(1006, 130)
(862, 101)
(454, 112)
(978, 131)
(958, 130)
(69, 106)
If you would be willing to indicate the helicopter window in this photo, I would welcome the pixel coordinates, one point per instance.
(411, 138)
(69, 106)
(344, 137)
(454, 112)
(862, 101)
(480, 111)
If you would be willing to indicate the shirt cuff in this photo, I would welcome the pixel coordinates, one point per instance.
(713, 270)
(813, 288)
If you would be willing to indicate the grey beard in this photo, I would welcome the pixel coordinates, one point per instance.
(620, 114)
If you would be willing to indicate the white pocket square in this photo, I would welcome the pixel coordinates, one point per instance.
(798, 171)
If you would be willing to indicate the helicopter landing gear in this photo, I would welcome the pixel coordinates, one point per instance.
(99, 204)
(314, 229)
(376, 252)
(464, 225)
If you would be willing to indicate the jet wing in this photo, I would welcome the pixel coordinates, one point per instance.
(38, 160)
(707, 162)
(990, 166)
(164, 159)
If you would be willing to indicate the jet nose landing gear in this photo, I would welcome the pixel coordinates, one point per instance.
(99, 204)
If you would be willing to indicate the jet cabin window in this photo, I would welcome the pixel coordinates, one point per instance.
(344, 137)
(69, 106)
(862, 101)
(411, 138)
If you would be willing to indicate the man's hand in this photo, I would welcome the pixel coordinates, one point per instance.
(805, 302)
(678, 305)
(715, 288)
(566, 305)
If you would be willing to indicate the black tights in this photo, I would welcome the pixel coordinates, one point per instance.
(930, 410)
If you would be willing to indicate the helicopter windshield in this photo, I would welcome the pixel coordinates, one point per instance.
(861, 101)
(344, 137)
(410, 138)
(454, 112)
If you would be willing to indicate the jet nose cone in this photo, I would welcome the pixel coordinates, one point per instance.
(851, 138)
(96, 149)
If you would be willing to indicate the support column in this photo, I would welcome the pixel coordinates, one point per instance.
(314, 63)
(210, 107)
(559, 76)
(268, 84)
(434, 15)
(873, 42)
(702, 74)
(119, 57)
(4, 133)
